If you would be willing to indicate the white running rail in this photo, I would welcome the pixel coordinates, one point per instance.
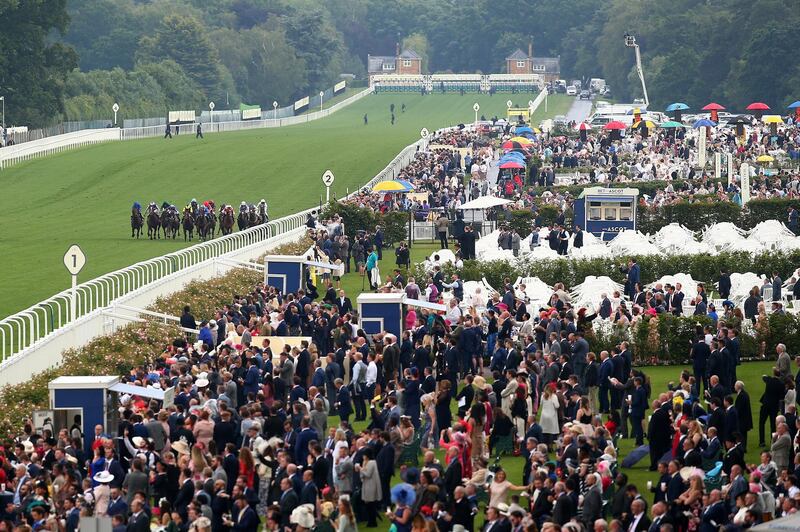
(49, 145)
(33, 340)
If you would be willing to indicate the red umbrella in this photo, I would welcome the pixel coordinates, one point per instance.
(713, 107)
(615, 124)
(583, 126)
(512, 164)
(758, 108)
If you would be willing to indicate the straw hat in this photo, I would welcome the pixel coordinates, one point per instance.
(202, 383)
(502, 508)
(29, 447)
(103, 477)
(180, 447)
(303, 516)
(326, 509)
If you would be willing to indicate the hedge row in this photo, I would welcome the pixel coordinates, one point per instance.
(571, 272)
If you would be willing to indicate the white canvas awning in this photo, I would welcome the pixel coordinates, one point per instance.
(423, 304)
(141, 391)
(484, 202)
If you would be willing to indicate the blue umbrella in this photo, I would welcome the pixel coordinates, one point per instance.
(507, 159)
(403, 494)
(677, 106)
(704, 122)
(524, 129)
(794, 105)
(513, 154)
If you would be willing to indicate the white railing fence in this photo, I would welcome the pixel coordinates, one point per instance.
(17, 153)
(39, 334)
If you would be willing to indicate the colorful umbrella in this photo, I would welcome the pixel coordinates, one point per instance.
(773, 119)
(739, 121)
(671, 124)
(519, 130)
(512, 164)
(765, 158)
(703, 122)
(393, 186)
(796, 107)
(614, 124)
(678, 106)
(521, 140)
(713, 107)
(509, 145)
(583, 126)
(643, 123)
(758, 106)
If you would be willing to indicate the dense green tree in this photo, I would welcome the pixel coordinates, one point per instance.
(33, 69)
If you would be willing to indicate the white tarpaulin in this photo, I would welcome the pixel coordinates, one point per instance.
(484, 202)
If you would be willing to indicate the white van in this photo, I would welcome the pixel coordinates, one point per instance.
(572, 90)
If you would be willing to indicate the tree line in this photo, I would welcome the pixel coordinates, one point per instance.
(72, 60)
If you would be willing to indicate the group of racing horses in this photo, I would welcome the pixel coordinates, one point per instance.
(203, 218)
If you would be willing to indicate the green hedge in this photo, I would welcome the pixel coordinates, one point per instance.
(571, 272)
(395, 224)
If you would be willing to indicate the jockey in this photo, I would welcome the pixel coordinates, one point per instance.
(152, 207)
(137, 206)
(262, 210)
(193, 206)
(243, 207)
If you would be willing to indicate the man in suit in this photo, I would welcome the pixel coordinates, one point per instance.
(496, 519)
(774, 391)
(605, 306)
(155, 430)
(231, 466)
(675, 485)
(564, 507)
(660, 517)
(733, 458)
(139, 520)
(185, 494)
(304, 437)
(385, 460)
(344, 303)
(781, 448)
(714, 513)
(638, 520)
(712, 450)
(244, 518)
(731, 418)
(288, 500)
(738, 485)
(461, 510)
(638, 403)
(676, 301)
(691, 455)
(604, 373)
(117, 504)
(308, 495)
(716, 417)
(452, 475)
(699, 355)
(592, 503)
(343, 406)
(659, 434)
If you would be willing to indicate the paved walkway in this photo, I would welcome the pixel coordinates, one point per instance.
(580, 110)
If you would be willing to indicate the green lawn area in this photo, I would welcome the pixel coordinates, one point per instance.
(84, 196)
(750, 373)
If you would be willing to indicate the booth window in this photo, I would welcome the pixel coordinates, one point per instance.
(626, 212)
(610, 213)
(594, 211)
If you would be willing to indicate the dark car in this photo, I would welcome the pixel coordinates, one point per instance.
(585, 95)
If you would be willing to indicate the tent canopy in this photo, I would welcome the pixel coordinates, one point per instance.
(484, 202)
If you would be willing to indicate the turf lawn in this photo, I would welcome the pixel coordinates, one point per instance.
(750, 373)
(84, 196)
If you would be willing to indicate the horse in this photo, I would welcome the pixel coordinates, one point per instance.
(137, 222)
(153, 223)
(188, 224)
(203, 222)
(262, 212)
(243, 220)
(168, 223)
(226, 220)
(212, 223)
(253, 218)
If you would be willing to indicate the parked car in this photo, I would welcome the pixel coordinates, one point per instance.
(572, 91)
(585, 95)
(561, 89)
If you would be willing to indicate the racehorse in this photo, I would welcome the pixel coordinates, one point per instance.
(170, 222)
(137, 220)
(226, 219)
(153, 222)
(253, 218)
(212, 223)
(188, 224)
(203, 222)
(262, 211)
(243, 220)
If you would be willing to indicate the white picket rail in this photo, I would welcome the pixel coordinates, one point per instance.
(10, 155)
(34, 339)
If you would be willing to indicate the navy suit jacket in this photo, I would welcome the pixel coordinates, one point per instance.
(301, 445)
(675, 487)
(638, 402)
(246, 520)
(713, 517)
(343, 398)
(606, 371)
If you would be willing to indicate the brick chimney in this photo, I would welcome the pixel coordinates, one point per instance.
(397, 50)
(530, 48)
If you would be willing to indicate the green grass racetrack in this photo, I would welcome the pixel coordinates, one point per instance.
(84, 196)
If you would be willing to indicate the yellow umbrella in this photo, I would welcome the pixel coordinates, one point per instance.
(765, 159)
(521, 140)
(644, 123)
(392, 186)
(773, 119)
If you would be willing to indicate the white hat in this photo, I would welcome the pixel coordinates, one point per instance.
(202, 375)
(502, 508)
(103, 477)
(138, 441)
(202, 383)
(180, 447)
(29, 447)
(303, 516)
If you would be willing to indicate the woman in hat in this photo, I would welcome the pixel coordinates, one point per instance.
(371, 492)
(549, 419)
(346, 521)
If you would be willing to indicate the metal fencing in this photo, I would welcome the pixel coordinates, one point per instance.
(32, 340)
(50, 145)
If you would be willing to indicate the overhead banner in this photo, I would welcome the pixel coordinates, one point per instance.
(301, 104)
(181, 116)
(339, 87)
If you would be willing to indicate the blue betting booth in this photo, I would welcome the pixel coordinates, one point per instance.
(96, 399)
(604, 212)
(384, 311)
(287, 273)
